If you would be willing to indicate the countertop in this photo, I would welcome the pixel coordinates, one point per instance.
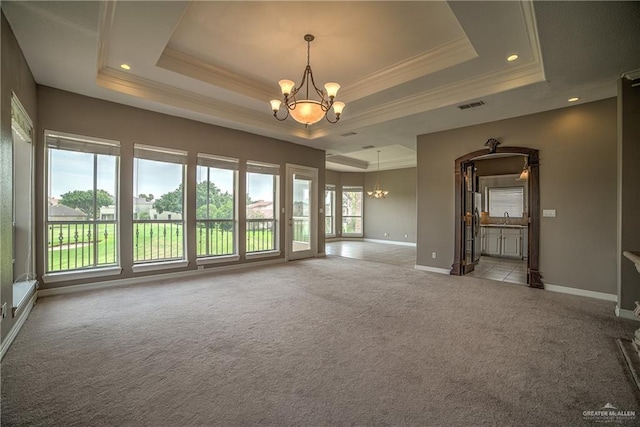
(503, 225)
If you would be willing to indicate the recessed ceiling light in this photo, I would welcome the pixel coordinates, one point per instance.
(574, 99)
(512, 58)
(125, 66)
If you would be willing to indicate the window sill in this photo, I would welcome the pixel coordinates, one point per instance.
(217, 259)
(266, 254)
(153, 266)
(81, 274)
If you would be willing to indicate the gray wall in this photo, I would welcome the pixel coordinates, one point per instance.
(577, 178)
(68, 112)
(628, 191)
(16, 77)
(395, 214)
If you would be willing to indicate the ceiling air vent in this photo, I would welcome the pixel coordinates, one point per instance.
(471, 105)
(366, 147)
(348, 134)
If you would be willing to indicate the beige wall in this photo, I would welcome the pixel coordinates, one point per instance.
(16, 77)
(67, 112)
(394, 215)
(628, 191)
(577, 178)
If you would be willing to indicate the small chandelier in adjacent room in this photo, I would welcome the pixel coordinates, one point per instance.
(308, 111)
(377, 192)
(524, 175)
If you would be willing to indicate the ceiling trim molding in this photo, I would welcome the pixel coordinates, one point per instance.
(443, 96)
(105, 24)
(153, 91)
(407, 162)
(347, 161)
(190, 66)
(529, 17)
(440, 58)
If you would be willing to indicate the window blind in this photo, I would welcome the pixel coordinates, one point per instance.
(217, 162)
(160, 154)
(264, 168)
(509, 199)
(70, 142)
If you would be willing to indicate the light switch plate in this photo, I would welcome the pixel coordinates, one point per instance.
(549, 213)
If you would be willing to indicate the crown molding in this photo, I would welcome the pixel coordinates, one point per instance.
(105, 24)
(442, 57)
(190, 66)
(129, 84)
(347, 161)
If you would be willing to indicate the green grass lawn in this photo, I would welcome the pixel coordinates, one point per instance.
(74, 246)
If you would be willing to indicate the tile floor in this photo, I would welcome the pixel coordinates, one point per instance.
(385, 253)
(499, 269)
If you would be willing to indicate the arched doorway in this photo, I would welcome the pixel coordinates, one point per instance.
(467, 221)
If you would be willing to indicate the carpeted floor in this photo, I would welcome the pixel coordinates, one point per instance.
(316, 342)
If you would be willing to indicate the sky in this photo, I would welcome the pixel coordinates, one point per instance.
(72, 170)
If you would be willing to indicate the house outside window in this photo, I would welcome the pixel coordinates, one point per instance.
(352, 211)
(216, 223)
(262, 207)
(158, 188)
(82, 195)
(329, 210)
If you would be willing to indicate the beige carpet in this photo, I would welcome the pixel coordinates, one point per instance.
(316, 342)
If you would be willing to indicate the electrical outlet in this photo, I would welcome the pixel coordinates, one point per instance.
(434, 255)
(386, 234)
(4, 310)
(406, 236)
(549, 213)
(201, 267)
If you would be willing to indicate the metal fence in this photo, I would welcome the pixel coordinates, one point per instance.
(157, 240)
(261, 235)
(215, 237)
(74, 245)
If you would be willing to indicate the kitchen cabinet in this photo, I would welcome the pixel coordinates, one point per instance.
(502, 241)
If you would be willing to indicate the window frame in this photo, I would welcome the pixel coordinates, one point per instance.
(163, 155)
(354, 189)
(225, 163)
(106, 146)
(330, 189)
(256, 167)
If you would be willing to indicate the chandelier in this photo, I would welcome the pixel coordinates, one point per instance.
(377, 192)
(307, 111)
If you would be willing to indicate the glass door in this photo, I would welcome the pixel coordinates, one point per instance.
(301, 212)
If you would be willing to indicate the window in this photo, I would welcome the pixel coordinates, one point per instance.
(158, 182)
(352, 211)
(216, 206)
(329, 210)
(506, 200)
(82, 208)
(262, 211)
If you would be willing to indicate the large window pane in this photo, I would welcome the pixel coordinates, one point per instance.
(352, 211)
(215, 208)
(158, 205)
(262, 186)
(82, 214)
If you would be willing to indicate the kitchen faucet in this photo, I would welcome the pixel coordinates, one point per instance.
(506, 218)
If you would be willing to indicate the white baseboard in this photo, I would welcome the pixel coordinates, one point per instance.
(390, 242)
(581, 292)
(143, 279)
(625, 314)
(22, 317)
(432, 269)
